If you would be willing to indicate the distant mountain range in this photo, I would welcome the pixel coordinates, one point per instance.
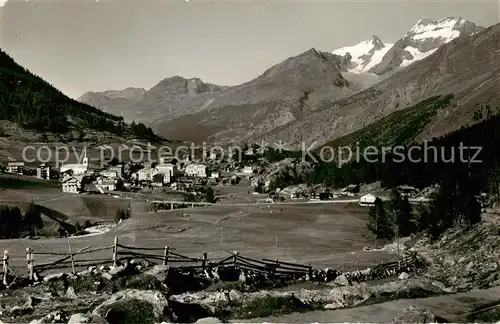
(318, 96)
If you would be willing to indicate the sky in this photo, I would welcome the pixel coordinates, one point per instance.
(88, 45)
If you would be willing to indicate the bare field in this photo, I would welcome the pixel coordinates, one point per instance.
(323, 234)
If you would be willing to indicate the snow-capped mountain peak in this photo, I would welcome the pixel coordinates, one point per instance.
(364, 55)
(422, 40)
(446, 28)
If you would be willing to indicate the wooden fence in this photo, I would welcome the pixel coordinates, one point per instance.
(119, 253)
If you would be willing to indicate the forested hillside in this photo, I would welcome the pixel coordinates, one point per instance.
(451, 158)
(32, 103)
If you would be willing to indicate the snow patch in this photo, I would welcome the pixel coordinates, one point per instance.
(417, 55)
(365, 48)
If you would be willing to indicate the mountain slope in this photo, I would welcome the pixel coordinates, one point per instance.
(423, 40)
(114, 101)
(364, 55)
(287, 91)
(32, 103)
(466, 67)
(170, 98)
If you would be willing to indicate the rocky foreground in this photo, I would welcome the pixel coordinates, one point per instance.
(464, 261)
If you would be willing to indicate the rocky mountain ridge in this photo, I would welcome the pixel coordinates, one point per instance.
(317, 96)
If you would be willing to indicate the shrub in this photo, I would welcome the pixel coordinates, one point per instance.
(130, 311)
(122, 214)
(271, 306)
(144, 282)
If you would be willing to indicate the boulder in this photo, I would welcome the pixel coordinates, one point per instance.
(116, 271)
(54, 317)
(32, 301)
(341, 280)
(159, 271)
(208, 320)
(158, 302)
(404, 276)
(414, 315)
(86, 319)
(235, 296)
(53, 277)
(70, 293)
(79, 319)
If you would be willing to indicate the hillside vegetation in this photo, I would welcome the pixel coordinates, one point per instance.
(399, 128)
(32, 103)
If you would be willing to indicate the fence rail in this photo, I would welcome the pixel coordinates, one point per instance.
(120, 253)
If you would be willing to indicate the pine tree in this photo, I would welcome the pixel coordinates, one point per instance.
(379, 223)
(209, 195)
(33, 219)
(401, 212)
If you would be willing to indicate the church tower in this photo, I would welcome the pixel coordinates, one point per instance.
(85, 159)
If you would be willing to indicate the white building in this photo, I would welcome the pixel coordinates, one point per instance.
(72, 184)
(146, 174)
(15, 167)
(106, 184)
(196, 170)
(77, 168)
(215, 175)
(367, 200)
(167, 168)
(43, 171)
(109, 174)
(248, 170)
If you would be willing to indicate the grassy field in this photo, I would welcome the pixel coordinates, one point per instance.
(324, 235)
(8, 181)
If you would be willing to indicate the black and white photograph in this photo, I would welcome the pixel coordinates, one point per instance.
(249, 161)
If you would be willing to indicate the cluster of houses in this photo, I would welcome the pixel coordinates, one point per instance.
(166, 173)
(125, 176)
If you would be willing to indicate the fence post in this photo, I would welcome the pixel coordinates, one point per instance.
(115, 251)
(204, 261)
(29, 261)
(5, 266)
(165, 255)
(235, 257)
(71, 257)
(310, 271)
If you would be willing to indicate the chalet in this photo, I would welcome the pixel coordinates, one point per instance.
(196, 170)
(72, 184)
(367, 200)
(15, 167)
(215, 175)
(43, 171)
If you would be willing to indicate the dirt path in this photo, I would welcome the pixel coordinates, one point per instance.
(453, 308)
